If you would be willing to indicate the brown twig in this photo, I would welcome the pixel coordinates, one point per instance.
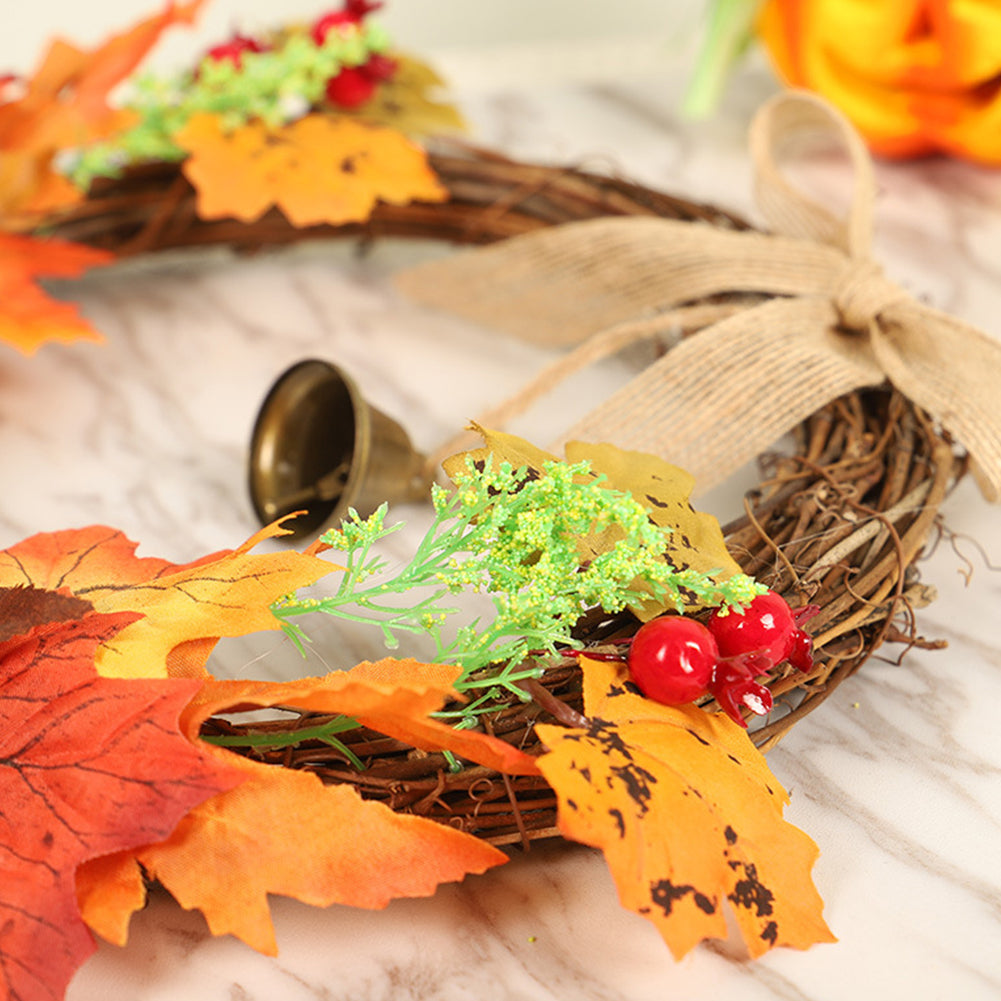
(841, 520)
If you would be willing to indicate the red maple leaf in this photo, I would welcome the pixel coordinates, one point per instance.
(88, 766)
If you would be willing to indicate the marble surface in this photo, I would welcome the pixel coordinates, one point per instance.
(897, 777)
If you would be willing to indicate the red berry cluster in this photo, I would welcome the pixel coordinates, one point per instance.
(234, 49)
(675, 659)
(351, 86)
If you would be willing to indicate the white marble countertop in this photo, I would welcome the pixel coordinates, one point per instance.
(897, 777)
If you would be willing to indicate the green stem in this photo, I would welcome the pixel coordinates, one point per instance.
(731, 29)
(342, 724)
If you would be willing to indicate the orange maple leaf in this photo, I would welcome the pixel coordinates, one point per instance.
(394, 696)
(184, 608)
(316, 170)
(65, 105)
(28, 316)
(688, 815)
(228, 854)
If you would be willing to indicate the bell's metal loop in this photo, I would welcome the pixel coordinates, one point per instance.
(318, 447)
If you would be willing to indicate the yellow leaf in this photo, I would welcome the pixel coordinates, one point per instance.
(403, 102)
(688, 815)
(317, 170)
(185, 608)
(228, 596)
(695, 542)
(502, 447)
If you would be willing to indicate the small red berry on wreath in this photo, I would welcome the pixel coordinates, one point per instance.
(767, 628)
(350, 88)
(234, 49)
(353, 85)
(674, 660)
(352, 14)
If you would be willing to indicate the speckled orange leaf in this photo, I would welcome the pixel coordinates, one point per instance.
(317, 170)
(30, 317)
(183, 607)
(285, 832)
(689, 818)
(65, 105)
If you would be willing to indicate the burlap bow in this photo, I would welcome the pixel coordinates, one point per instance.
(827, 320)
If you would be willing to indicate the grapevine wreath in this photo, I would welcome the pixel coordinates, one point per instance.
(605, 697)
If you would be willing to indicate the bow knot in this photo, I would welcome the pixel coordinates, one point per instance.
(755, 369)
(862, 293)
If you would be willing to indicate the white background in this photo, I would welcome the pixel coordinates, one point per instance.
(538, 37)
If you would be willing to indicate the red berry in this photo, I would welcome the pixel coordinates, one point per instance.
(733, 686)
(672, 659)
(379, 68)
(234, 49)
(354, 12)
(800, 653)
(764, 634)
(350, 88)
(327, 23)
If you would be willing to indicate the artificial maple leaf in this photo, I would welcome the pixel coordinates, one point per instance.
(109, 890)
(688, 815)
(88, 766)
(29, 316)
(317, 169)
(499, 446)
(403, 103)
(94, 563)
(65, 106)
(393, 696)
(695, 541)
(24, 608)
(228, 854)
(184, 608)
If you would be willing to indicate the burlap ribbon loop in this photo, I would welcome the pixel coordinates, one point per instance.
(830, 321)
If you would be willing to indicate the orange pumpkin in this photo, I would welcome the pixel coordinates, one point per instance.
(914, 76)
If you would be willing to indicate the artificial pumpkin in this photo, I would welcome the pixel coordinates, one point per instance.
(914, 76)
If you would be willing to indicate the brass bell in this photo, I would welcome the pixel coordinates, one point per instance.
(318, 447)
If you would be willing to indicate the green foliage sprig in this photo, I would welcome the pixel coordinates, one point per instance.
(513, 536)
(275, 86)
